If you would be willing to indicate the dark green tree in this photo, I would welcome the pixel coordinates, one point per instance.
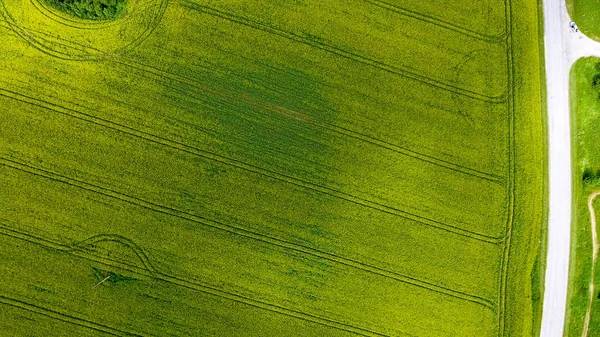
(91, 9)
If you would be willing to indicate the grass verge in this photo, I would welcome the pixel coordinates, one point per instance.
(586, 14)
(585, 123)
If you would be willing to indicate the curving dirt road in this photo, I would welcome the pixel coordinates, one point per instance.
(595, 248)
(562, 49)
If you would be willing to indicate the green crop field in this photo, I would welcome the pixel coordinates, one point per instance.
(585, 123)
(586, 14)
(271, 168)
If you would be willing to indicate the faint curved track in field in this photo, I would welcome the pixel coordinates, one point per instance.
(274, 241)
(155, 23)
(458, 70)
(190, 284)
(400, 71)
(499, 38)
(139, 252)
(160, 74)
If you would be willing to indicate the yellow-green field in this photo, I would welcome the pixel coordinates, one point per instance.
(271, 168)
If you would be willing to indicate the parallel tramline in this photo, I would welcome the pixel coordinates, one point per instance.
(428, 82)
(197, 158)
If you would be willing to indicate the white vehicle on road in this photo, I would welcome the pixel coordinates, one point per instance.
(573, 26)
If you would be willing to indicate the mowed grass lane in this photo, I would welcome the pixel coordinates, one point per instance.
(299, 174)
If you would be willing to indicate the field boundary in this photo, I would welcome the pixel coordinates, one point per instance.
(502, 296)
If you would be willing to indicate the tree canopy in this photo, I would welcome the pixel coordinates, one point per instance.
(91, 9)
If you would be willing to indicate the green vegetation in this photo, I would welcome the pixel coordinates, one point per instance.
(91, 9)
(585, 126)
(525, 277)
(586, 14)
(277, 168)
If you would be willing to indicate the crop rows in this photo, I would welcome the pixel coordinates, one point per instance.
(197, 90)
(68, 318)
(159, 73)
(445, 24)
(76, 250)
(239, 231)
(251, 168)
(346, 54)
(162, 74)
(80, 252)
(161, 205)
(346, 115)
(324, 125)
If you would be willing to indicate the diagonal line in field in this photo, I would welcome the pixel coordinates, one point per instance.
(243, 232)
(400, 71)
(304, 118)
(439, 22)
(251, 168)
(67, 318)
(193, 285)
(161, 75)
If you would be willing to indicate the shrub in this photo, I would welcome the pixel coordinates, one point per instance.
(591, 176)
